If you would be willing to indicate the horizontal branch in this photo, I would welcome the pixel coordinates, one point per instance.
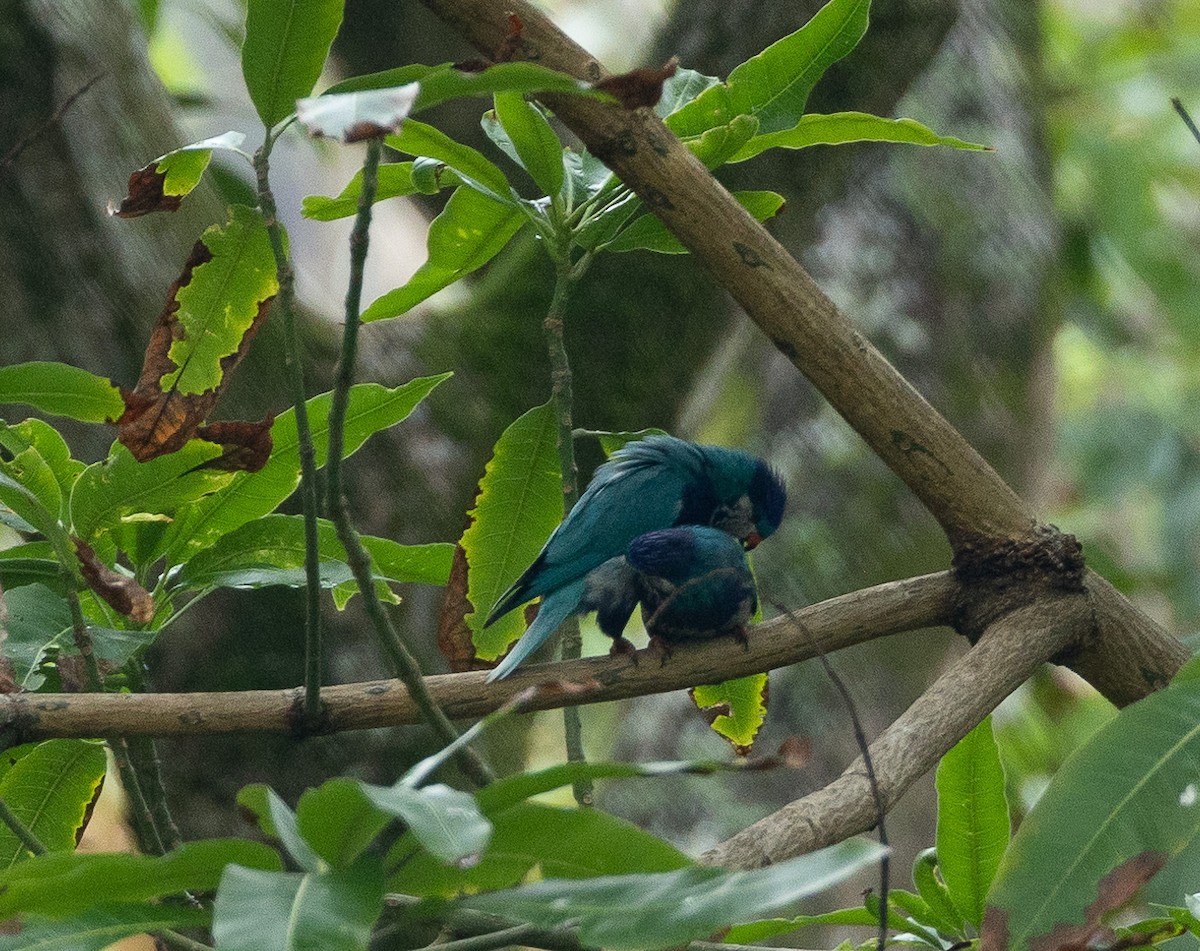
(853, 618)
(1009, 651)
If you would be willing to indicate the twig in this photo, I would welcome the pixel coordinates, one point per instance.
(1009, 651)
(308, 457)
(357, 557)
(20, 830)
(144, 826)
(144, 756)
(1187, 119)
(860, 737)
(80, 633)
(14, 153)
(840, 622)
(506, 937)
(571, 644)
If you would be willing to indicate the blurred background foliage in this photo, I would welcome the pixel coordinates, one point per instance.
(1043, 296)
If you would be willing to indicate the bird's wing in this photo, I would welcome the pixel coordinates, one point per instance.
(640, 489)
(555, 609)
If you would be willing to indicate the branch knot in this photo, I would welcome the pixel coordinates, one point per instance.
(999, 575)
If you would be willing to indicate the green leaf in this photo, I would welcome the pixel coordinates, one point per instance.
(443, 82)
(773, 86)
(719, 145)
(757, 931)
(62, 390)
(355, 116)
(395, 180)
(51, 790)
(332, 910)
(664, 909)
(35, 493)
(842, 127)
(680, 89)
(37, 618)
(650, 234)
(475, 169)
(101, 927)
(250, 496)
(564, 843)
(110, 492)
(745, 698)
(972, 823)
(944, 915)
(445, 821)
(271, 550)
(51, 447)
(540, 151)
(161, 185)
(285, 48)
(339, 821)
(518, 506)
(221, 301)
(62, 884)
(279, 822)
(468, 233)
(1118, 809)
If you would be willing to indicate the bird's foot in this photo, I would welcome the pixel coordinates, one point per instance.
(662, 648)
(740, 635)
(623, 647)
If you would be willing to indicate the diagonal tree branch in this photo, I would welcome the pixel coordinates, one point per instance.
(853, 618)
(1126, 654)
(1010, 650)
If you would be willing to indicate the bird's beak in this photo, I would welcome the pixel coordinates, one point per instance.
(752, 541)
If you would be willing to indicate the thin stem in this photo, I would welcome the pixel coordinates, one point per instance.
(144, 757)
(83, 638)
(308, 455)
(490, 942)
(140, 814)
(403, 661)
(20, 830)
(1186, 117)
(571, 645)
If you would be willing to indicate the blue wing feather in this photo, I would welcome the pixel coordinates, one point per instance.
(637, 491)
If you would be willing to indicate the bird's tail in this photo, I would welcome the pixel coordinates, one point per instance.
(556, 607)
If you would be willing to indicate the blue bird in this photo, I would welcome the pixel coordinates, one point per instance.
(694, 583)
(650, 484)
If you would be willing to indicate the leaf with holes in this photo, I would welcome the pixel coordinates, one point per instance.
(164, 183)
(735, 709)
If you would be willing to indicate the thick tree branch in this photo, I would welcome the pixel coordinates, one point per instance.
(968, 498)
(839, 622)
(1009, 651)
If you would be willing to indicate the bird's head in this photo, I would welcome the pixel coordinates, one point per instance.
(757, 510)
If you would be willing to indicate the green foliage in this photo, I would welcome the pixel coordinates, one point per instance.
(285, 48)
(745, 701)
(666, 909)
(648, 233)
(354, 116)
(101, 927)
(534, 142)
(843, 127)
(61, 390)
(50, 787)
(973, 823)
(518, 506)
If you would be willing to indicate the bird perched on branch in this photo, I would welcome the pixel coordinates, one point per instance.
(694, 583)
(651, 484)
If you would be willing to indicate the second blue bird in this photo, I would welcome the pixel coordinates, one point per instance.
(693, 583)
(651, 484)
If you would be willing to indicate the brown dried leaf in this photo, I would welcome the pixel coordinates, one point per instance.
(247, 445)
(226, 309)
(638, 87)
(453, 634)
(119, 592)
(145, 194)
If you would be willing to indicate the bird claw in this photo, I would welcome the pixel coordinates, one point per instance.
(740, 635)
(662, 648)
(623, 647)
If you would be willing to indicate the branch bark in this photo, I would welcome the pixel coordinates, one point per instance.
(971, 502)
(863, 615)
(1009, 651)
